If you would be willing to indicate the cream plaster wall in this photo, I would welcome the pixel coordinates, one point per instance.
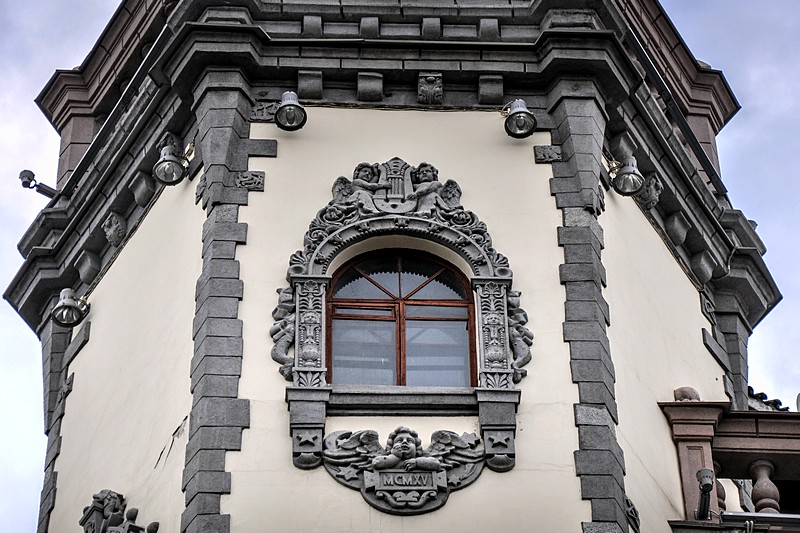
(504, 187)
(657, 346)
(131, 391)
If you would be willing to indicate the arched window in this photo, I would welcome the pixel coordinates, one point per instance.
(400, 317)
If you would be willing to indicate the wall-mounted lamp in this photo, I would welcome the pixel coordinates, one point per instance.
(520, 122)
(290, 115)
(28, 180)
(69, 311)
(626, 179)
(706, 478)
(170, 169)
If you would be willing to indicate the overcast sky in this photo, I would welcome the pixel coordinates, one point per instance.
(756, 45)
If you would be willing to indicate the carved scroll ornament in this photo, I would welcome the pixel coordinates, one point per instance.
(402, 478)
(396, 198)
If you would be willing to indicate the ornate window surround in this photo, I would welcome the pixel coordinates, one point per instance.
(400, 201)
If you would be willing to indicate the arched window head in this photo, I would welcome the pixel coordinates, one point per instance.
(400, 317)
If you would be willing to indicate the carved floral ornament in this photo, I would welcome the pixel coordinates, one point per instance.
(395, 198)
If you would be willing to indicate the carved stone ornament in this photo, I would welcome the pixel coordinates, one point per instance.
(632, 514)
(402, 478)
(547, 153)
(115, 228)
(251, 180)
(106, 514)
(429, 88)
(396, 198)
(650, 193)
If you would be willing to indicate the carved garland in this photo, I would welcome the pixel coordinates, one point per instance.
(396, 198)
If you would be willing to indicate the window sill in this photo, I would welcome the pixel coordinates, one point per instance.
(360, 400)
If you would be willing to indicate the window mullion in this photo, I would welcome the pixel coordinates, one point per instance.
(401, 342)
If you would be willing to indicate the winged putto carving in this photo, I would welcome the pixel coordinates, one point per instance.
(402, 477)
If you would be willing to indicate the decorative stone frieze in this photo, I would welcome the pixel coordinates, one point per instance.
(402, 478)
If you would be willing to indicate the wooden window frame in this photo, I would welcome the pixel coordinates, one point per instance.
(397, 304)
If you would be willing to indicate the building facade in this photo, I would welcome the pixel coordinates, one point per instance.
(377, 311)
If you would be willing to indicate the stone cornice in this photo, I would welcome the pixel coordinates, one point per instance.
(495, 48)
(700, 89)
(93, 88)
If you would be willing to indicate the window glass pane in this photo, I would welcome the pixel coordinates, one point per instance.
(384, 271)
(414, 271)
(436, 311)
(354, 285)
(437, 354)
(444, 287)
(363, 311)
(363, 352)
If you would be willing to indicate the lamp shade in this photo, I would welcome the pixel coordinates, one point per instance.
(628, 180)
(170, 169)
(290, 115)
(520, 122)
(69, 311)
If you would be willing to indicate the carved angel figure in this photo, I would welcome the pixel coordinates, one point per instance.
(348, 454)
(428, 190)
(520, 338)
(282, 332)
(359, 192)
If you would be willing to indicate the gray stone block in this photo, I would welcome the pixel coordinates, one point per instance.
(220, 327)
(209, 523)
(221, 268)
(598, 394)
(599, 486)
(581, 253)
(217, 366)
(431, 28)
(226, 231)
(370, 87)
(587, 370)
(201, 504)
(490, 89)
(600, 438)
(603, 527)
(599, 462)
(208, 483)
(583, 291)
(220, 250)
(583, 331)
(218, 346)
(593, 415)
(215, 307)
(219, 412)
(369, 28)
(212, 385)
(582, 272)
(224, 287)
(609, 510)
(204, 461)
(214, 438)
(309, 84)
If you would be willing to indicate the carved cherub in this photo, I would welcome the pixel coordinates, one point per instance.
(359, 192)
(430, 193)
(282, 332)
(404, 449)
(347, 454)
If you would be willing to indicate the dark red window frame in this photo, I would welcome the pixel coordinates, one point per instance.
(396, 305)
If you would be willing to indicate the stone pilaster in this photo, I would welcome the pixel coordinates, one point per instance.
(580, 121)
